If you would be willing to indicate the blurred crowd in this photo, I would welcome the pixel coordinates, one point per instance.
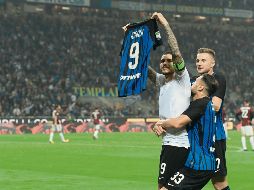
(234, 4)
(43, 57)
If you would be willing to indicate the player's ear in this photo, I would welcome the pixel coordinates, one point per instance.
(213, 63)
(200, 87)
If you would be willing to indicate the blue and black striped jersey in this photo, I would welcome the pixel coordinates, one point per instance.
(220, 131)
(135, 56)
(220, 93)
(201, 134)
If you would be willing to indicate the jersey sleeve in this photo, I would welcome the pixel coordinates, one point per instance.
(184, 78)
(154, 33)
(196, 109)
(221, 90)
(160, 79)
(184, 81)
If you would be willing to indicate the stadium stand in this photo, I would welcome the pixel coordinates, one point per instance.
(44, 56)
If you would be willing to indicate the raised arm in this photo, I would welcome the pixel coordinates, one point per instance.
(152, 74)
(172, 42)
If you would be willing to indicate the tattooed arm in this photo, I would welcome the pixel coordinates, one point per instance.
(152, 74)
(172, 42)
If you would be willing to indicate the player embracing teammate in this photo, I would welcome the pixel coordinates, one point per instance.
(205, 62)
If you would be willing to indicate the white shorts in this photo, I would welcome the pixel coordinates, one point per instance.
(97, 127)
(247, 130)
(57, 128)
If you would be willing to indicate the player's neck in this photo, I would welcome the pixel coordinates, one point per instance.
(169, 77)
(210, 72)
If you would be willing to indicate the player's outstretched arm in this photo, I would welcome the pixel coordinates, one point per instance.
(172, 42)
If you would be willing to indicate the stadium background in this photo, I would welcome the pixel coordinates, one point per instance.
(67, 52)
(63, 54)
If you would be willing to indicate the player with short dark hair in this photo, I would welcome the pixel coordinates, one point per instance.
(174, 98)
(205, 62)
(245, 115)
(199, 120)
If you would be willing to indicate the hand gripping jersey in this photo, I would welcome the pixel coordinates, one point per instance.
(135, 56)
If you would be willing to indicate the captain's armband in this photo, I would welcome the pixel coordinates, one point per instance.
(180, 66)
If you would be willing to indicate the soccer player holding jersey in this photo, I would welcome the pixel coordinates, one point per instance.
(174, 98)
(205, 62)
(200, 121)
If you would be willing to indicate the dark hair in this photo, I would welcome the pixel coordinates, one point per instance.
(167, 52)
(57, 105)
(207, 50)
(210, 82)
(246, 101)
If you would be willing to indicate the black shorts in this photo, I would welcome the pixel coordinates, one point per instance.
(172, 158)
(220, 152)
(189, 179)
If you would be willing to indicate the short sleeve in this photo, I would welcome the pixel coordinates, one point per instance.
(160, 79)
(196, 108)
(221, 90)
(155, 33)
